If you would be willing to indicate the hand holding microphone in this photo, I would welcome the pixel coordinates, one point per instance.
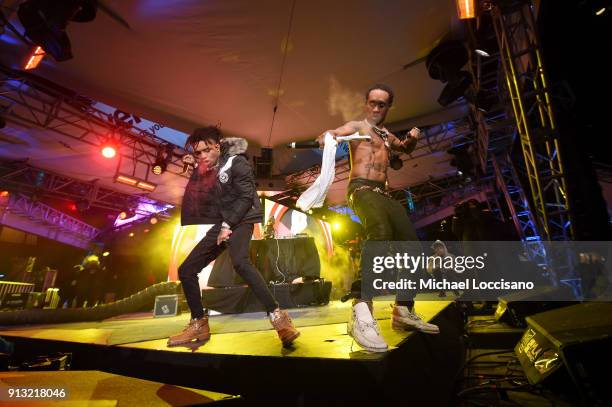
(188, 161)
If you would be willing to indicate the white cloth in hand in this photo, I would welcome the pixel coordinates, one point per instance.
(314, 196)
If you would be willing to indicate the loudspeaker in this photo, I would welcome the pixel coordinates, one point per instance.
(166, 306)
(513, 308)
(307, 294)
(570, 349)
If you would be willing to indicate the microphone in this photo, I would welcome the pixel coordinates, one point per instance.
(186, 165)
(339, 139)
(303, 144)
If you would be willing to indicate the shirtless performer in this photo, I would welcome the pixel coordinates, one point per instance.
(383, 218)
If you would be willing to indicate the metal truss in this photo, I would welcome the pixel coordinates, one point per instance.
(31, 100)
(518, 205)
(496, 130)
(530, 98)
(444, 192)
(23, 178)
(50, 218)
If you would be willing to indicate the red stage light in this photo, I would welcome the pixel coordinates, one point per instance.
(72, 206)
(109, 151)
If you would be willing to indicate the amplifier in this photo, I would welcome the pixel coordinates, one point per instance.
(570, 350)
(513, 308)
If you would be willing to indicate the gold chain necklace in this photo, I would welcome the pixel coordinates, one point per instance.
(384, 134)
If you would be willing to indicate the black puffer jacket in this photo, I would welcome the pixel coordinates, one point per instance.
(227, 194)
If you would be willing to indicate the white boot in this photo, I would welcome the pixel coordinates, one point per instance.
(405, 319)
(362, 327)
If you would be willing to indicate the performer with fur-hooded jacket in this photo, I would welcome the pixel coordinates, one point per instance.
(221, 192)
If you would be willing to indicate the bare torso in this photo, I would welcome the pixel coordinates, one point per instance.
(369, 159)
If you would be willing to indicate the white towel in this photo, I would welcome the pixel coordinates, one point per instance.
(314, 196)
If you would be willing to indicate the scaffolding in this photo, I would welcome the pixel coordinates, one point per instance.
(525, 80)
(33, 101)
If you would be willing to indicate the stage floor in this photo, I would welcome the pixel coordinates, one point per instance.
(323, 332)
(245, 357)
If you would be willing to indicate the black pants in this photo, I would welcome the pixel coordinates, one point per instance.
(207, 250)
(383, 218)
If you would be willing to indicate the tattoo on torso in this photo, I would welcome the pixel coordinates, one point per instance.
(369, 159)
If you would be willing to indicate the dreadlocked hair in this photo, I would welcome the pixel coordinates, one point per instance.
(208, 134)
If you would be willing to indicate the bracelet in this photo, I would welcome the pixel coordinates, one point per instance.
(224, 225)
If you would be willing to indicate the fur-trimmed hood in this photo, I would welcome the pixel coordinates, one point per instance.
(233, 146)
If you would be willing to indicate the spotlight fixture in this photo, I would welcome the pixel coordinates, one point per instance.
(135, 182)
(127, 214)
(164, 155)
(45, 23)
(455, 89)
(153, 220)
(482, 53)
(444, 63)
(466, 9)
(462, 160)
(108, 151)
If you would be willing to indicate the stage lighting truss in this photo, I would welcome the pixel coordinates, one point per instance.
(22, 206)
(23, 178)
(531, 101)
(32, 101)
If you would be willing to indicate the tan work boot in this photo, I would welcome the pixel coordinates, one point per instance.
(404, 318)
(284, 327)
(197, 329)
